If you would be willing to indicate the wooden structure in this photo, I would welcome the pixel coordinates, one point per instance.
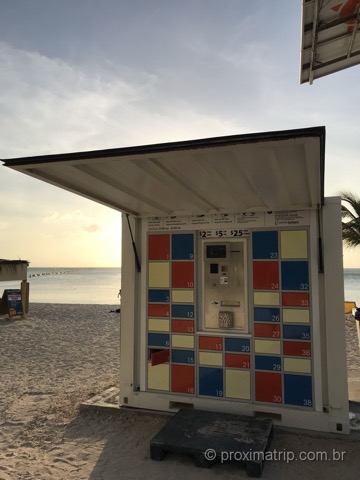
(15, 270)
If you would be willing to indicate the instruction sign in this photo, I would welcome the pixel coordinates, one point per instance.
(231, 222)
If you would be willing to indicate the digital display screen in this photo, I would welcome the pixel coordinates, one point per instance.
(215, 251)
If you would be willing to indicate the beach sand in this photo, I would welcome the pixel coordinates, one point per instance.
(62, 355)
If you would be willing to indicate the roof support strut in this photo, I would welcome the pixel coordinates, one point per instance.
(138, 266)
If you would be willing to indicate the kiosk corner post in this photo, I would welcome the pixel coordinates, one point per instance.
(129, 300)
(334, 312)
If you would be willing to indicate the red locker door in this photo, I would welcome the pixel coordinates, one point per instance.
(266, 275)
(183, 379)
(159, 247)
(182, 275)
(268, 387)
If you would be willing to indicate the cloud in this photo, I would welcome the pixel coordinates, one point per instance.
(58, 107)
(55, 216)
(52, 103)
(92, 228)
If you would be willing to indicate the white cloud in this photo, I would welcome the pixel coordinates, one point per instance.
(59, 108)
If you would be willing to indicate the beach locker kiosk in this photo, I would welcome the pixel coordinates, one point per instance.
(236, 301)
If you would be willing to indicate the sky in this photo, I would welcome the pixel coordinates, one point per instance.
(81, 75)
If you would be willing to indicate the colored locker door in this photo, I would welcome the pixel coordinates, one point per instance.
(237, 384)
(298, 390)
(241, 345)
(159, 377)
(159, 275)
(268, 387)
(158, 296)
(158, 325)
(295, 299)
(182, 356)
(158, 340)
(237, 360)
(297, 349)
(182, 246)
(182, 326)
(214, 359)
(267, 330)
(183, 341)
(210, 343)
(266, 275)
(183, 379)
(182, 311)
(265, 245)
(268, 362)
(211, 382)
(266, 298)
(294, 244)
(295, 275)
(266, 314)
(159, 247)
(296, 315)
(182, 275)
(182, 296)
(296, 332)
(158, 310)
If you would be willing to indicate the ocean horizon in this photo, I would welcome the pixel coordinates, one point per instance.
(89, 285)
(92, 285)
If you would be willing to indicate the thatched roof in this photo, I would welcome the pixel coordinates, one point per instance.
(13, 262)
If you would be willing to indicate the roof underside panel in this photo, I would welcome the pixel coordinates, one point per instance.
(236, 176)
(330, 37)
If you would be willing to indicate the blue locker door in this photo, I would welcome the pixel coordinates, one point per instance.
(298, 390)
(182, 356)
(211, 381)
(295, 276)
(265, 245)
(268, 362)
(182, 311)
(159, 296)
(241, 345)
(182, 246)
(266, 314)
(296, 332)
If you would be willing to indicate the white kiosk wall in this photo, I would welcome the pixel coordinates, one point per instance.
(231, 313)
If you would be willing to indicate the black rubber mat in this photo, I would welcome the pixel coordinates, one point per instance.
(215, 437)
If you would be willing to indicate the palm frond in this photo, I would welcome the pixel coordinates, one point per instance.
(346, 213)
(350, 212)
(352, 200)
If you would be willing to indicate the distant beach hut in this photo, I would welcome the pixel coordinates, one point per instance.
(15, 270)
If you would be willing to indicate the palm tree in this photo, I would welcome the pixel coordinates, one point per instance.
(351, 213)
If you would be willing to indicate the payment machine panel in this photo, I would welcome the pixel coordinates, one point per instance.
(224, 285)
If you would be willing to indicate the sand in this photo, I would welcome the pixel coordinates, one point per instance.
(62, 355)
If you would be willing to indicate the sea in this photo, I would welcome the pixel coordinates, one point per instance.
(352, 285)
(102, 285)
(72, 285)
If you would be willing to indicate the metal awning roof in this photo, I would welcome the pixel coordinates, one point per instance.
(254, 172)
(330, 37)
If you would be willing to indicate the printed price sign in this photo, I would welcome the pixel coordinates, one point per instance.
(14, 302)
(227, 233)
